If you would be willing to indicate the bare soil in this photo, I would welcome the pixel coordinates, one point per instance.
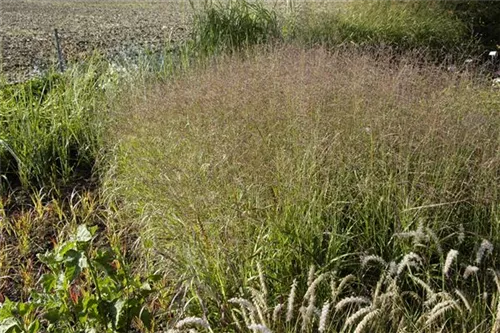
(109, 26)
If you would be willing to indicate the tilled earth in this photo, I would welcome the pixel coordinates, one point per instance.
(109, 26)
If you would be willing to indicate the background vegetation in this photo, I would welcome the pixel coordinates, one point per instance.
(297, 168)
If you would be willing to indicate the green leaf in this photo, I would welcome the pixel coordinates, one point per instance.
(48, 259)
(65, 247)
(6, 310)
(34, 327)
(52, 315)
(83, 234)
(145, 317)
(146, 286)
(90, 307)
(117, 311)
(48, 282)
(104, 259)
(9, 325)
(24, 308)
(75, 262)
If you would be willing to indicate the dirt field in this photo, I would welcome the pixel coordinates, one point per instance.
(27, 29)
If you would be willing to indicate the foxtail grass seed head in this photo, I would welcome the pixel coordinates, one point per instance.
(392, 269)
(408, 234)
(411, 294)
(276, 312)
(441, 295)
(352, 319)
(450, 257)
(420, 235)
(351, 300)
(485, 248)
(310, 293)
(363, 324)
(259, 328)
(439, 310)
(307, 314)
(428, 289)
(409, 260)
(323, 318)
(260, 305)
(337, 290)
(463, 299)
(291, 300)
(310, 275)
(262, 280)
(435, 240)
(469, 271)
(461, 234)
(192, 321)
(243, 303)
(365, 260)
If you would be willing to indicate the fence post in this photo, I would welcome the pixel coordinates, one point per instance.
(59, 52)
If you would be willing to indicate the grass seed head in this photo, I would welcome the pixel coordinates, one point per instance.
(469, 271)
(485, 248)
(192, 321)
(259, 328)
(291, 300)
(363, 324)
(351, 300)
(450, 257)
(324, 317)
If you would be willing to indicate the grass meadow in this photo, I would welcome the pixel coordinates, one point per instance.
(285, 169)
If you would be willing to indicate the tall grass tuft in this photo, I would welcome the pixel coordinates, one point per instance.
(232, 25)
(297, 157)
(51, 127)
(401, 25)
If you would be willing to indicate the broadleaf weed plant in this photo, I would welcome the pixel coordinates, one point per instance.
(85, 289)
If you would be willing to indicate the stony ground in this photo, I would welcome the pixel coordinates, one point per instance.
(27, 29)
